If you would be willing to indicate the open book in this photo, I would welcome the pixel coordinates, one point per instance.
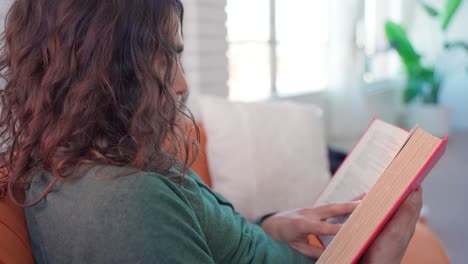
(387, 163)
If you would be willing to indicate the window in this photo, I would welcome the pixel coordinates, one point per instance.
(280, 47)
(249, 49)
(276, 47)
(382, 62)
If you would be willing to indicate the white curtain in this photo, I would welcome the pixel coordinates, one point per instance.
(348, 115)
(408, 8)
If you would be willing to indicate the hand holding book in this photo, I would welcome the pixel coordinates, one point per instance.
(389, 164)
(294, 226)
(391, 243)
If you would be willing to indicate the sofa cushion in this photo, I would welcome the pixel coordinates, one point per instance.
(425, 248)
(265, 157)
(14, 239)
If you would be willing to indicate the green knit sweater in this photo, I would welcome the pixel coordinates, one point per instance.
(143, 218)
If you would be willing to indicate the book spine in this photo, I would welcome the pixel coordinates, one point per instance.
(324, 241)
(435, 157)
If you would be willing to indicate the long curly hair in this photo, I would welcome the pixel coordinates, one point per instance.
(91, 82)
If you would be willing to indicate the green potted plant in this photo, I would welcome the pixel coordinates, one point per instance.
(423, 83)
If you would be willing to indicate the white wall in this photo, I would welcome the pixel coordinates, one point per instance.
(4, 6)
(205, 34)
(205, 59)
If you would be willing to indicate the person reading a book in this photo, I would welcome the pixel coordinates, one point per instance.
(91, 119)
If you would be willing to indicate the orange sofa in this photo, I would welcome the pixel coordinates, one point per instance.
(15, 247)
(14, 239)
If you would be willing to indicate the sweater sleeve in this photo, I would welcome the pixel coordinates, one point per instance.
(166, 228)
(232, 239)
(189, 223)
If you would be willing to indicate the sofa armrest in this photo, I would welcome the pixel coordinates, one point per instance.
(424, 247)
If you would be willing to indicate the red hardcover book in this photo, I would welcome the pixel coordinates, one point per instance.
(387, 163)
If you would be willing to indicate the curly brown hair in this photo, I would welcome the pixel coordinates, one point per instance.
(91, 82)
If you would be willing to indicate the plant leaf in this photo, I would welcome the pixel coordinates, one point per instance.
(429, 9)
(398, 38)
(413, 89)
(434, 94)
(422, 84)
(425, 74)
(451, 7)
(456, 44)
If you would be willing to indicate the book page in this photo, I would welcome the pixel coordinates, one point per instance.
(369, 159)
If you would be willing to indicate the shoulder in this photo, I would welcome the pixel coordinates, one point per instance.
(123, 212)
(116, 190)
(130, 188)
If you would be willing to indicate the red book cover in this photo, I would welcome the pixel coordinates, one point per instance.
(315, 240)
(435, 157)
(417, 180)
